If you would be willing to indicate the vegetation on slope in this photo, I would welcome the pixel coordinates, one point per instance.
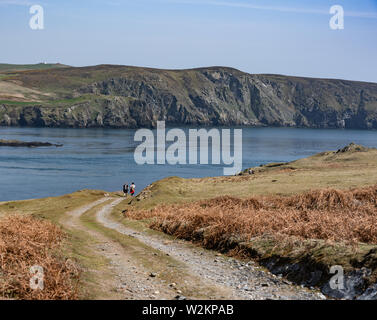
(297, 236)
(332, 169)
(121, 96)
(26, 242)
(309, 215)
(5, 68)
(312, 215)
(69, 249)
(298, 218)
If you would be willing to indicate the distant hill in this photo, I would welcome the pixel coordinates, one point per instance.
(132, 97)
(22, 67)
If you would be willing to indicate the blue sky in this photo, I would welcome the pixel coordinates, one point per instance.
(258, 36)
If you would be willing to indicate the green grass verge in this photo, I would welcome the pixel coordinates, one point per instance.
(167, 268)
(325, 170)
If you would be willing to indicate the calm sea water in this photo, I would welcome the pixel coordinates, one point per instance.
(104, 158)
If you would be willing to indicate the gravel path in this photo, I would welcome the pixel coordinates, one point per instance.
(128, 280)
(243, 280)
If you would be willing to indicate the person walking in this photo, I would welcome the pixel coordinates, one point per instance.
(125, 190)
(132, 189)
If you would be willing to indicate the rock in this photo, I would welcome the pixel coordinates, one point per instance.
(17, 143)
(179, 297)
(369, 294)
(153, 275)
(322, 296)
(354, 286)
(315, 277)
(7, 120)
(232, 98)
(352, 147)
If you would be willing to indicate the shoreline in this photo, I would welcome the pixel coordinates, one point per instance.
(188, 126)
(304, 262)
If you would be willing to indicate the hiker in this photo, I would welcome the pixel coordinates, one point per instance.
(132, 189)
(125, 190)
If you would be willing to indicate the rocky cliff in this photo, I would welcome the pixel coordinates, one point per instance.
(129, 97)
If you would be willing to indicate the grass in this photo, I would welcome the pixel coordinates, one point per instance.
(95, 267)
(317, 229)
(317, 212)
(51, 82)
(26, 242)
(18, 103)
(343, 170)
(3, 76)
(70, 101)
(166, 268)
(312, 215)
(23, 67)
(75, 245)
(310, 255)
(52, 208)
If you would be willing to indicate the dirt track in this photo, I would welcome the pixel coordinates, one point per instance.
(192, 272)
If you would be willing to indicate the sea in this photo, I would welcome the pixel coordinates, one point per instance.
(104, 159)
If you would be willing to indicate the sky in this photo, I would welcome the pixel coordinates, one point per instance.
(290, 37)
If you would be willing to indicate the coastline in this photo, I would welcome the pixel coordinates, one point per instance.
(303, 262)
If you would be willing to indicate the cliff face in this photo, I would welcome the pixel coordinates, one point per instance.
(126, 97)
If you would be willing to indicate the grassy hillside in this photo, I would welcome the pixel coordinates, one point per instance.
(23, 67)
(297, 218)
(129, 97)
(352, 167)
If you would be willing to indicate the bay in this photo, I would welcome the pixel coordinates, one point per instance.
(104, 158)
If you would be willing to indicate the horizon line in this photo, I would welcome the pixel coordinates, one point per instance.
(182, 69)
